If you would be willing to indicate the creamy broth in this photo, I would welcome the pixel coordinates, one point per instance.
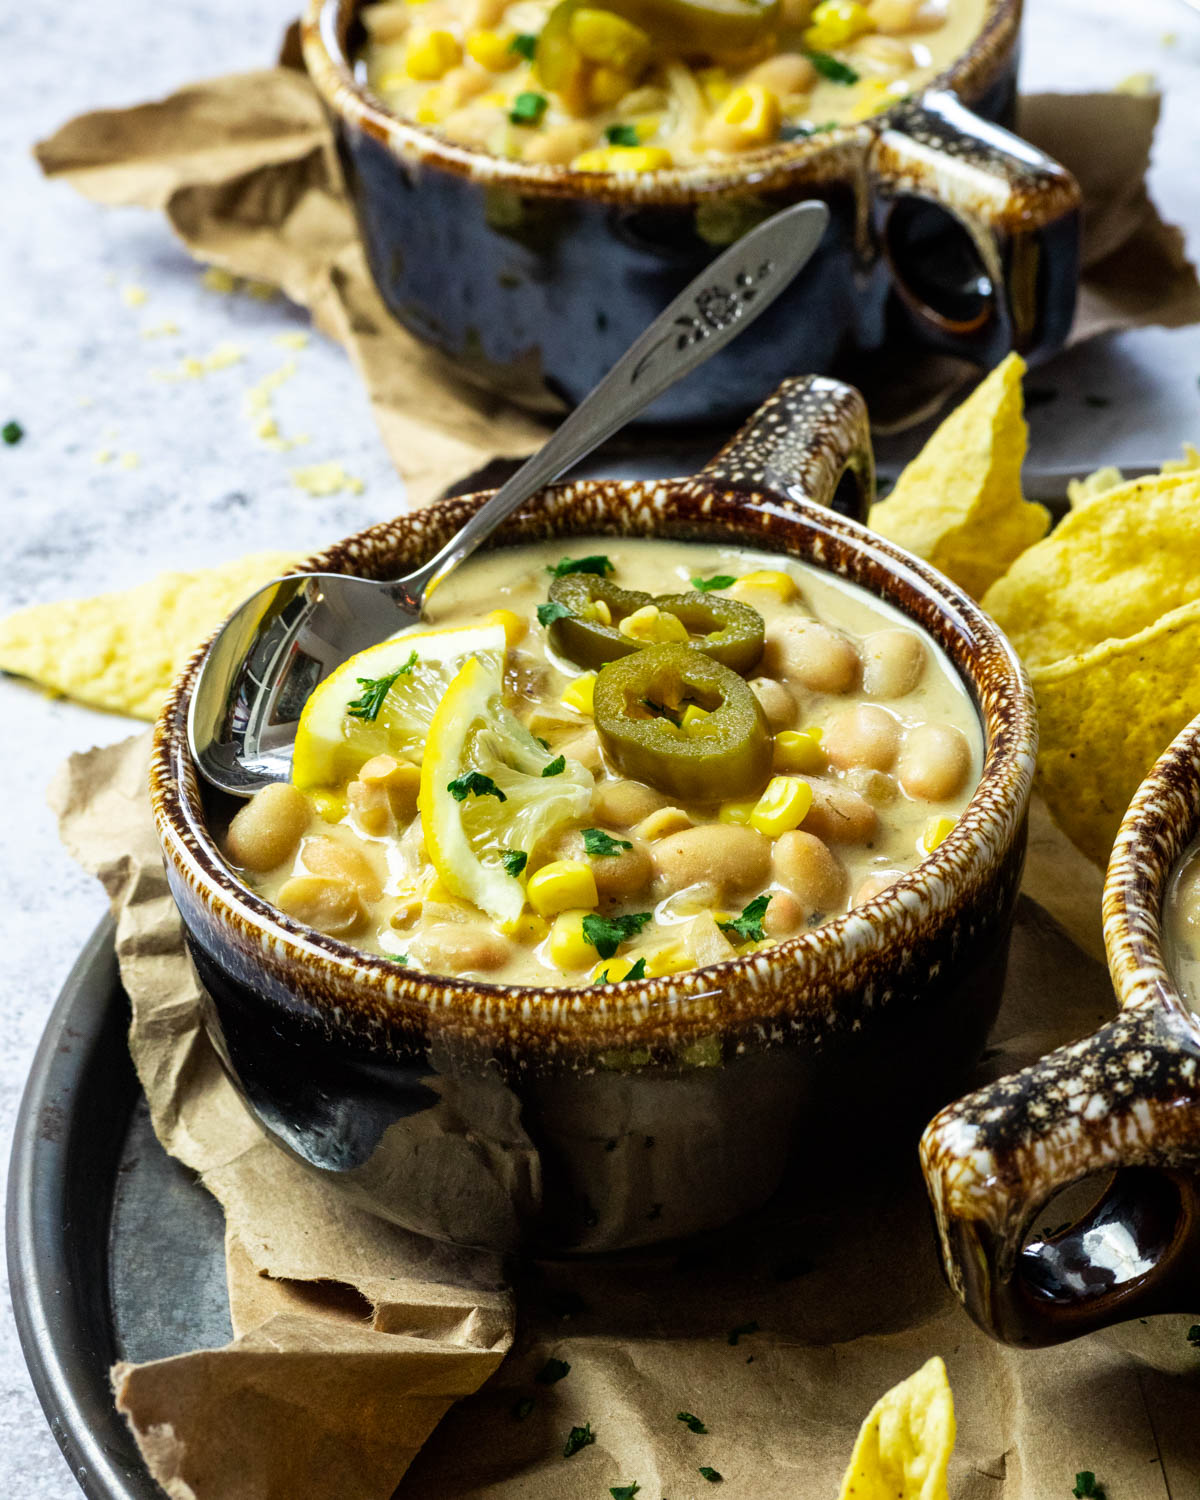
(872, 749)
(1181, 926)
(479, 72)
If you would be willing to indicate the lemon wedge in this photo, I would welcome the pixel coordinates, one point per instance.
(483, 791)
(357, 713)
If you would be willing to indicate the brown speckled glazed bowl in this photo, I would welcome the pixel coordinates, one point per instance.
(592, 1120)
(1125, 1100)
(945, 232)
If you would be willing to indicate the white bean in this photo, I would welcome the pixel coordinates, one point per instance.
(864, 735)
(777, 700)
(812, 654)
(267, 829)
(325, 856)
(331, 905)
(729, 856)
(455, 947)
(839, 815)
(810, 871)
(893, 662)
(624, 803)
(934, 762)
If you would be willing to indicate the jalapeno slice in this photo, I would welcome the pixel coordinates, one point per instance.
(639, 705)
(725, 629)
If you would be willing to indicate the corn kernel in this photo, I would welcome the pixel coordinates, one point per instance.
(935, 832)
(767, 581)
(715, 86)
(495, 100)
(873, 95)
(579, 694)
(623, 159)
(492, 50)
(753, 111)
(737, 812)
(836, 22)
(783, 806)
(652, 624)
(569, 949)
(799, 750)
(430, 54)
(606, 38)
(647, 126)
(515, 628)
(611, 970)
(672, 958)
(527, 928)
(330, 806)
(389, 83)
(560, 885)
(661, 822)
(433, 107)
(694, 714)
(600, 611)
(608, 86)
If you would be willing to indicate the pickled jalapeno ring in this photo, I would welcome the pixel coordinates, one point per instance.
(726, 630)
(638, 700)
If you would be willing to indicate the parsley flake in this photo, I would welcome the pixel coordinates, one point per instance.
(624, 1491)
(832, 68)
(743, 1330)
(711, 1474)
(552, 1372)
(552, 610)
(578, 1437)
(596, 841)
(718, 581)
(528, 108)
(524, 44)
(522, 1407)
(621, 135)
(606, 934)
(693, 1424)
(12, 433)
(597, 563)
(374, 690)
(749, 926)
(514, 861)
(1086, 1487)
(637, 970)
(556, 767)
(474, 784)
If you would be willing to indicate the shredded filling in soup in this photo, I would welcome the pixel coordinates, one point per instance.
(633, 759)
(637, 85)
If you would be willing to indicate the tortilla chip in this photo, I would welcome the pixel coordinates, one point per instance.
(1099, 482)
(1105, 718)
(959, 504)
(904, 1446)
(1190, 460)
(1109, 570)
(122, 651)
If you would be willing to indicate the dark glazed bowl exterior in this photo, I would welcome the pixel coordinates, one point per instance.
(945, 232)
(514, 1116)
(1125, 1101)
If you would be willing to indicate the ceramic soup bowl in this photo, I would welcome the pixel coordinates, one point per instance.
(946, 232)
(1124, 1102)
(562, 1119)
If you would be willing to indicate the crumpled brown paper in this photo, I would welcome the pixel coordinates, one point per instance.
(244, 168)
(353, 1338)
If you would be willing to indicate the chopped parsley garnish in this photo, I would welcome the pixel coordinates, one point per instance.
(552, 610)
(1193, 1335)
(578, 1437)
(375, 690)
(710, 1474)
(624, 1491)
(597, 563)
(718, 581)
(522, 1407)
(637, 970)
(743, 1330)
(524, 44)
(474, 784)
(832, 68)
(606, 934)
(528, 108)
(596, 841)
(621, 135)
(749, 926)
(693, 1424)
(552, 1372)
(1086, 1487)
(514, 861)
(556, 767)
(12, 433)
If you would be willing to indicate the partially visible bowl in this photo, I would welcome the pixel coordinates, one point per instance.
(946, 232)
(518, 1117)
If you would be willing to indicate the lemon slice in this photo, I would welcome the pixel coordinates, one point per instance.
(465, 840)
(332, 741)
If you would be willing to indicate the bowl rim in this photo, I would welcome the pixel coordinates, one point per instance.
(850, 953)
(816, 158)
(1159, 825)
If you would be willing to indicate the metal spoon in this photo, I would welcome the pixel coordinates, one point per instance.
(276, 648)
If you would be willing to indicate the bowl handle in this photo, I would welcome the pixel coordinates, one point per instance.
(979, 228)
(810, 441)
(1124, 1100)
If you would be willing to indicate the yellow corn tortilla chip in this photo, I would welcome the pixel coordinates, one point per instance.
(1105, 718)
(122, 651)
(904, 1446)
(1099, 482)
(959, 504)
(1109, 570)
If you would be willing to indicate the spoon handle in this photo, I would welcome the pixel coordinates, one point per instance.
(714, 308)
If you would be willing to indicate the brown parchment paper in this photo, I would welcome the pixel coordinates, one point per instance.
(244, 169)
(354, 1342)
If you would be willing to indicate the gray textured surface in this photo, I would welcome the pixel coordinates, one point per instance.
(75, 370)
